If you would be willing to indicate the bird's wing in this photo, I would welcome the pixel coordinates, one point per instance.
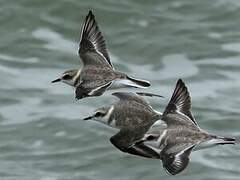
(178, 109)
(142, 113)
(84, 90)
(125, 140)
(141, 149)
(148, 94)
(92, 47)
(175, 162)
(130, 96)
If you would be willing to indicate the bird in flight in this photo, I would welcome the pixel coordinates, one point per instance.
(133, 116)
(97, 74)
(175, 141)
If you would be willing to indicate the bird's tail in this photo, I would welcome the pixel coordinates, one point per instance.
(138, 82)
(225, 140)
(123, 80)
(214, 141)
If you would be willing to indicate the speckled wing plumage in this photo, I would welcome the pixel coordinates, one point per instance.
(132, 110)
(131, 97)
(92, 46)
(94, 81)
(97, 73)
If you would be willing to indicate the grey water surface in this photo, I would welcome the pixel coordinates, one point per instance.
(42, 135)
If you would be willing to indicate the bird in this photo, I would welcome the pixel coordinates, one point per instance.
(132, 116)
(181, 133)
(97, 74)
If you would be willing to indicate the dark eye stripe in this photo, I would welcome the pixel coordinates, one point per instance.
(99, 114)
(66, 76)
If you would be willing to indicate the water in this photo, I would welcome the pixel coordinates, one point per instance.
(42, 136)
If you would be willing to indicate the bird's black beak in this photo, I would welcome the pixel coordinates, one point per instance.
(88, 118)
(56, 80)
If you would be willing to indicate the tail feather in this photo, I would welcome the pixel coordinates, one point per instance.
(138, 82)
(226, 140)
(214, 141)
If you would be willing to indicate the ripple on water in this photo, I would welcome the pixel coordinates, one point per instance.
(235, 47)
(42, 136)
(55, 40)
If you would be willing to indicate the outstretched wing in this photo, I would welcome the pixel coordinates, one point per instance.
(178, 109)
(92, 46)
(83, 90)
(125, 140)
(175, 163)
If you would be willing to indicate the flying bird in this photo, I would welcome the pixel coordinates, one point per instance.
(133, 116)
(181, 135)
(97, 74)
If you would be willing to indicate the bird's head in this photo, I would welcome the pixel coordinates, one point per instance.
(68, 77)
(101, 115)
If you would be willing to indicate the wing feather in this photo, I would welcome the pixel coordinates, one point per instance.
(92, 46)
(180, 103)
(125, 140)
(175, 163)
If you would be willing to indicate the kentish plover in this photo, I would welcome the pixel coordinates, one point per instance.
(133, 116)
(181, 134)
(97, 73)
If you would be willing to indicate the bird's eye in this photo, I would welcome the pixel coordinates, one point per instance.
(66, 76)
(98, 114)
(151, 137)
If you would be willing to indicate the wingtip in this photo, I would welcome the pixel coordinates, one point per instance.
(149, 94)
(180, 86)
(180, 82)
(79, 93)
(89, 17)
(90, 13)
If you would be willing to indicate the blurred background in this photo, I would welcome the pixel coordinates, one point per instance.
(42, 135)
